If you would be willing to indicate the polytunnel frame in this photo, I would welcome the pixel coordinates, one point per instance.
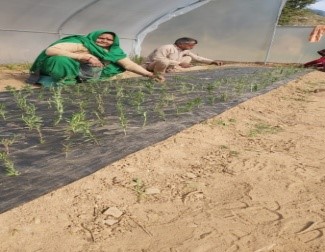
(74, 14)
(136, 40)
(163, 18)
(139, 37)
(269, 43)
(183, 10)
(277, 29)
(180, 11)
(274, 31)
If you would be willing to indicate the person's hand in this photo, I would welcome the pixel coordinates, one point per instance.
(91, 60)
(317, 33)
(216, 62)
(156, 77)
(159, 78)
(185, 65)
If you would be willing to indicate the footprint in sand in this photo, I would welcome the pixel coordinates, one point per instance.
(307, 231)
(258, 215)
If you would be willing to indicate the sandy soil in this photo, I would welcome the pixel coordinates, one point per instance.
(250, 179)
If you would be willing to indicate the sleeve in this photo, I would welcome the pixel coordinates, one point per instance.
(71, 50)
(198, 58)
(162, 53)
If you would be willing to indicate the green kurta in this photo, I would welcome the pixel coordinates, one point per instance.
(62, 70)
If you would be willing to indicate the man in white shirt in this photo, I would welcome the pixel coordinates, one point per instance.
(174, 57)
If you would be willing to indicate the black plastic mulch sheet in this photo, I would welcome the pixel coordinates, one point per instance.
(52, 137)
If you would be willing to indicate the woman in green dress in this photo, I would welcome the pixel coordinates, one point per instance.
(80, 58)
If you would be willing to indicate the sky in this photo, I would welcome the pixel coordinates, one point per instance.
(319, 5)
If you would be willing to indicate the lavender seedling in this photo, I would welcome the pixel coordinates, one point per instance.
(7, 142)
(9, 165)
(58, 102)
(79, 124)
(3, 111)
(139, 188)
(122, 118)
(32, 120)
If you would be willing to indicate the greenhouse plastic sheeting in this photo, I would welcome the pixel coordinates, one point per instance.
(291, 45)
(85, 127)
(226, 29)
(226, 26)
(33, 20)
(230, 30)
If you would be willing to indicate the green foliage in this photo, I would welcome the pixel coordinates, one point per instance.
(137, 59)
(263, 128)
(81, 108)
(57, 100)
(29, 116)
(79, 124)
(189, 106)
(122, 116)
(9, 165)
(3, 111)
(292, 9)
(298, 4)
(137, 98)
(7, 142)
(139, 188)
(5, 156)
(18, 67)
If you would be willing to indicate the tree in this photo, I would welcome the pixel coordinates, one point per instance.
(293, 8)
(298, 4)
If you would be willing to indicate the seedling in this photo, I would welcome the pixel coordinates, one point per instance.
(211, 88)
(159, 109)
(240, 86)
(29, 116)
(32, 120)
(9, 165)
(66, 148)
(79, 124)
(149, 86)
(220, 122)
(164, 100)
(139, 188)
(100, 104)
(100, 119)
(189, 106)
(121, 115)
(58, 102)
(137, 100)
(233, 153)
(184, 89)
(144, 118)
(3, 111)
(21, 100)
(119, 91)
(224, 96)
(254, 87)
(263, 128)
(7, 142)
